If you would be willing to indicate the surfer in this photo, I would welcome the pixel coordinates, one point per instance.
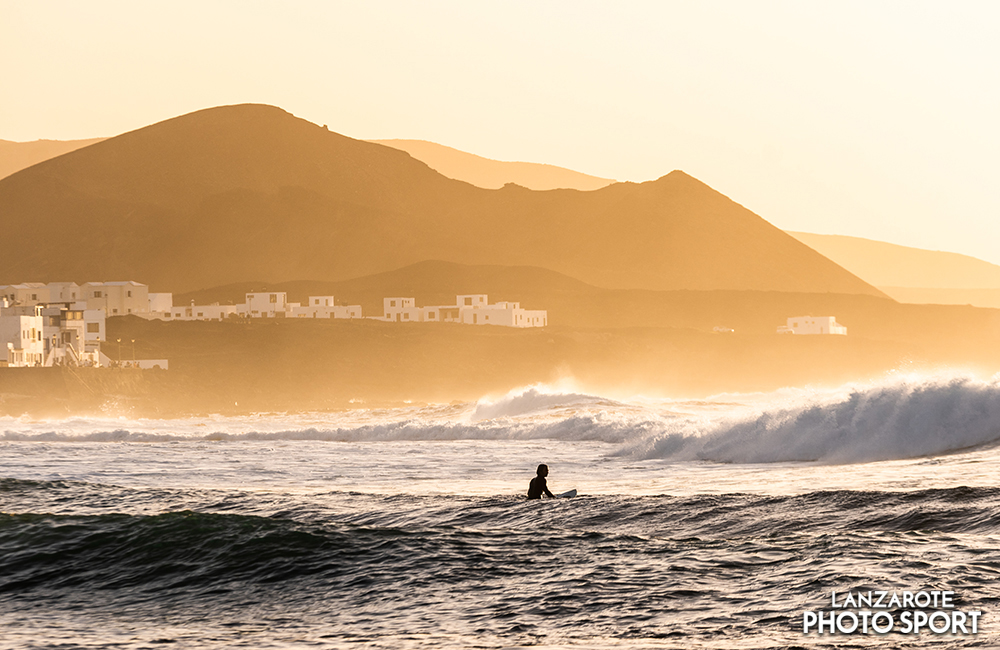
(537, 485)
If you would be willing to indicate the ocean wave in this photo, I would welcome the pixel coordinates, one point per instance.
(536, 400)
(518, 571)
(888, 420)
(905, 418)
(589, 427)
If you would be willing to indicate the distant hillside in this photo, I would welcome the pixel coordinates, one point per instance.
(976, 297)
(241, 192)
(912, 275)
(575, 304)
(890, 265)
(15, 156)
(494, 174)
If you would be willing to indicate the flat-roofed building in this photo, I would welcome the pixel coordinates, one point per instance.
(117, 298)
(265, 304)
(22, 338)
(812, 325)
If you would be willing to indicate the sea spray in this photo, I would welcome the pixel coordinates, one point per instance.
(904, 418)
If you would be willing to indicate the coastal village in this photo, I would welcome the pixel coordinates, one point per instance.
(64, 323)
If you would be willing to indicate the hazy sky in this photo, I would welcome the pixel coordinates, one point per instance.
(875, 119)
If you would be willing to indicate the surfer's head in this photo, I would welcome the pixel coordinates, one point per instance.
(543, 470)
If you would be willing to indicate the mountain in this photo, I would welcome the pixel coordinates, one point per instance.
(891, 265)
(15, 156)
(241, 192)
(912, 275)
(494, 174)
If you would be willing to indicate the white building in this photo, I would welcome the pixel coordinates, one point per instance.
(161, 302)
(813, 325)
(117, 298)
(73, 335)
(64, 292)
(21, 339)
(26, 294)
(324, 307)
(265, 305)
(214, 311)
(272, 304)
(507, 314)
(401, 310)
(469, 309)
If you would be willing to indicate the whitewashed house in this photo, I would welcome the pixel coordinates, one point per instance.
(161, 302)
(215, 311)
(272, 304)
(813, 325)
(22, 343)
(401, 310)
(508, 314)
(469, 309)
(73, 335)
(117, 298)
(64, 292)
(26, 294)
(265, 304)
(324, 307)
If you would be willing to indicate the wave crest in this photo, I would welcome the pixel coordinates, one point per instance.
(905, 419)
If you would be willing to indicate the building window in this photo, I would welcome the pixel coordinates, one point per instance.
(392, 303)
(94, 328)
(97, 294)
(114, 311)
(129, 293)
(468, 302)
(274, 297)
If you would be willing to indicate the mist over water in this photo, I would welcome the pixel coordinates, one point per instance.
(710, 523)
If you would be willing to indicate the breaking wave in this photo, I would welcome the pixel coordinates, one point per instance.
(537, 401)
(893, 419)
(904, 419)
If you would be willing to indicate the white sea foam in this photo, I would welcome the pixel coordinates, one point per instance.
(896, 419)
(537, 400)
(892, 419)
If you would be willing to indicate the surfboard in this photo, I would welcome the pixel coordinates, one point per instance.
(567, 495)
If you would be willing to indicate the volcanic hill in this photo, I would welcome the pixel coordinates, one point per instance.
(15, 156)
(244, 192)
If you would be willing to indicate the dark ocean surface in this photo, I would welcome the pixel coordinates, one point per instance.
(242, 535)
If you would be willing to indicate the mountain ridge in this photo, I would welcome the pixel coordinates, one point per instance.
(236, 192)
(893, 265)
(494, 174)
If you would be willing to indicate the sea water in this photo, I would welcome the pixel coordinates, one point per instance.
(700, 524)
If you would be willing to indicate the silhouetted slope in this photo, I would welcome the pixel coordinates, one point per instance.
(15, 156)
(891, 265)
(494, 174)
(241, 192)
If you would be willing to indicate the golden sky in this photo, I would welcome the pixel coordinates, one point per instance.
(873, 119)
